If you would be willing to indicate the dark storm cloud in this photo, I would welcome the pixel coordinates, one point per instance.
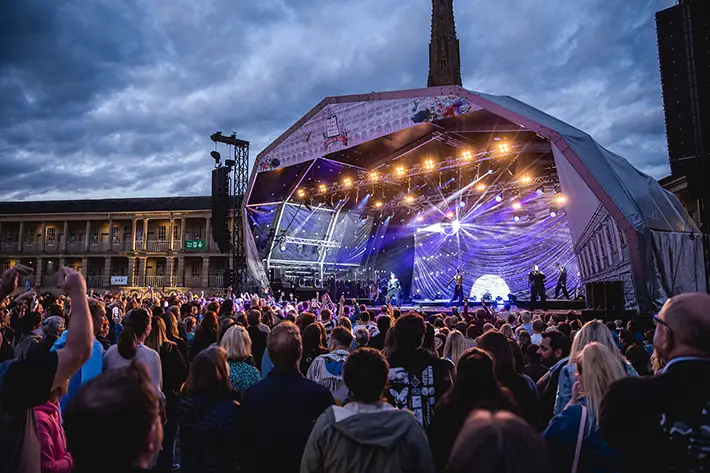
(119, 98)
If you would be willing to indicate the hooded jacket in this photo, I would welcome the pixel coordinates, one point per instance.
(365, 438)
(55, 457)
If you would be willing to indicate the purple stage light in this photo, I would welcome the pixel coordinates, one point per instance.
(516, 218)
(462, 204)
(499, 198)
(553, 214)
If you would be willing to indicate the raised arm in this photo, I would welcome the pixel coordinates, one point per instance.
(81, 336)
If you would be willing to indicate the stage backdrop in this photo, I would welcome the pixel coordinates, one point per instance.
(495, 251)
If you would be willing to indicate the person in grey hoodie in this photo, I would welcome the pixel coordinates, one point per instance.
(367, 434)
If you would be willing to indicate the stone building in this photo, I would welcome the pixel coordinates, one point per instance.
(116, 243)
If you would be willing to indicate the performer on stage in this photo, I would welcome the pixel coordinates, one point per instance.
(561, 281)
(458, 288)
(394, 290)
(536, 278)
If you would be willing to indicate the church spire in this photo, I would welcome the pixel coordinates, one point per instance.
(444, 55)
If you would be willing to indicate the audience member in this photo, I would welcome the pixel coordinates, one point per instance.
(384, 323)
(554, 352)
(533, 364)
(242, 372)
(205, 335)
(327, 369)
(257, 336)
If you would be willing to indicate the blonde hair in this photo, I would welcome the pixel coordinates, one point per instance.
(236, 342)
(158, 335)
(506, 330)
(598, 368)
(594, 331)
(455, 346)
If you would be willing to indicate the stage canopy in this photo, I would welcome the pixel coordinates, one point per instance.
(424, 181)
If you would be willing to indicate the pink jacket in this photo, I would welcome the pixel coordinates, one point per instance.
(55, 457)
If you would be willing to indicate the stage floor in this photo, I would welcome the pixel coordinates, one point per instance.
(431, 306)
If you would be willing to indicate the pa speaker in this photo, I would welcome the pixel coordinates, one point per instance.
(220, 209)
(607, 295)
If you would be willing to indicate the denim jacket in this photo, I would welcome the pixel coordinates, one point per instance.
(564, 387)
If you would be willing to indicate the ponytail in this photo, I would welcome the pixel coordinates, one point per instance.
(135, 324)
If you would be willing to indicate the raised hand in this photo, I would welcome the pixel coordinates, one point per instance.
(10, 278)
(71, 281)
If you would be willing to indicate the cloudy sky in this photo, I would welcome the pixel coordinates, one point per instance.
(118, 98)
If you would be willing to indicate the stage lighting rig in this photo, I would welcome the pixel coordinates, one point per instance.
(301, 193)
(400, 171)
(217, 157)
(560, 199)
(429, 164)
(409, 199)
(379, 204)
(322, 188)
(374, 176)
(525, 180)
(347, 183)
(481, 187)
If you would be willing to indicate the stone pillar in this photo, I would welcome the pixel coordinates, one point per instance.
(107, 271)
(66, 236)
(133, 234)
(182, 233)
(205, 271)
(132, 264)
(172, 233)
(145, 234)
(110, 233)
(21, 237)
(39, 272)
(180, 279)
(85, 266)
(169, 271)
(43, 237)
(88, 235)
(62, 263)
(142, 272)
(208, 227)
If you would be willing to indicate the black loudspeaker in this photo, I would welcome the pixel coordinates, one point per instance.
(220, 209)
(228, 278)
(607, 295)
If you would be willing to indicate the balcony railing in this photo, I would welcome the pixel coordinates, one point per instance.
(160, 246)
(9, 247)
(95, 281)
(30, 247)
(75, 247)
(157, 281)
(177, 245)
(216, 280)
(52, 247)
(193, 281)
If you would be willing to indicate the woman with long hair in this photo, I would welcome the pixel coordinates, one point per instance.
(242, 373)
(208, 415)
(206, 334)
(455, 346)
(174, 368)
(475, 387)
(131, 345)
(522, 388)
(314, 345)
(173, 332)
(597, 368)
(592, 331)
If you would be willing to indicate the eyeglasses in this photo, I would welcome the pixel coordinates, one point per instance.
(658, 321)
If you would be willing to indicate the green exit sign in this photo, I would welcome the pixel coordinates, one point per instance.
(195, 244)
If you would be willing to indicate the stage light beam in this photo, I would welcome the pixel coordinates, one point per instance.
(449, 214)
(456, 226)
(517, 205)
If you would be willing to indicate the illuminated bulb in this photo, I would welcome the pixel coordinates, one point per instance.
(517, 205)
(449, 214)
(378, 204)
(462, 204)
(499, 198)
(374, 177)
(301, 193)
(409, 198)
(456, 226)
(322, 188)
(429, 164)
(420, 218)
(466, 155)
(490, 171)
(526, 179)
(481, 187)
(400, 171)
(347, 182)
(560, 199)
(553, 213)
(516, 218)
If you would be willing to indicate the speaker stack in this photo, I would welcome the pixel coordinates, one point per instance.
(220, 209)
(605, 301)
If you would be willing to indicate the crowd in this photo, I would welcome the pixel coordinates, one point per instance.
(121, 382)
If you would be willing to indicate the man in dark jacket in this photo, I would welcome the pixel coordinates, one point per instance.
(661, 423)
(418, 379)
(258, 336)
(554, 352)
(383, 325)
(285, 405)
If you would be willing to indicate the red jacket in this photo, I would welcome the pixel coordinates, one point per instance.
(55, 457)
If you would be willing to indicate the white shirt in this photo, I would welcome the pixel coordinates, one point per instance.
(536, 338)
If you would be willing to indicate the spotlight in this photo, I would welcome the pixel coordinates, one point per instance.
(216, 156)
(374, 177)
(499, 198)
(347, 182)
(449, 214)
(420, 218)
(400, 171)
(517, 205)
(553, 213)
(462, 204)
(455, 226)
(540, 191)
(516, 218)
(429, 164)
(323, 188)
(560, 199)
(490, 171)
(282, 247)
(378, 204)
(503, 147)
(301, 193)
(409, 199)
(466, 155)
(481, 187)
(526, 179)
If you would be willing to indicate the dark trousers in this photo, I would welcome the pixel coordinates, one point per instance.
(563, 286)
(394, 298)
(537, 293)
(458, 294)
(166, 455)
